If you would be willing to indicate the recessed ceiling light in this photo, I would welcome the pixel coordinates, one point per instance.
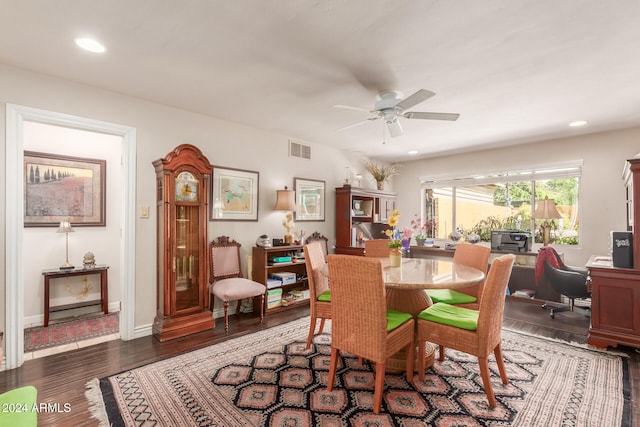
(578, 123)
(90, 44)
(412, 152)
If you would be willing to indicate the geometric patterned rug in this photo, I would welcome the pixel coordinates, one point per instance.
(269, 379)
(70, 331)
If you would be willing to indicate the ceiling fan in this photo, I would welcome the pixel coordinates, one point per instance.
(391, 107)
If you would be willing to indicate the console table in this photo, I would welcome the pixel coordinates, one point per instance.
(78, 271)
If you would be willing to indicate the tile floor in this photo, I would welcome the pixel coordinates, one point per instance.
(71, 346)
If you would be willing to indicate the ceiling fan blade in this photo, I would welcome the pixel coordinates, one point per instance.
(370, 119)
(351, 107)
(430, 116)
(415, 99)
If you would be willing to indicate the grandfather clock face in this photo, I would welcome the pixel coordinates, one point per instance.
(186, 187)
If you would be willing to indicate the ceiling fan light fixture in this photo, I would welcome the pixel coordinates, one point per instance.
(395, 129)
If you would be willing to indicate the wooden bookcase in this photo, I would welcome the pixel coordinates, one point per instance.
(360, 210)
(263, 268)
(615, 292)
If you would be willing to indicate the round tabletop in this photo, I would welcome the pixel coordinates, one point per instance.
(418, 273)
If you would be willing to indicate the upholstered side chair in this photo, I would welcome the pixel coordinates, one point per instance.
(361, 323)
(225, 278)
(319, 294)
(475, 256)
(376, 248)
(475, 332)
(317, 237)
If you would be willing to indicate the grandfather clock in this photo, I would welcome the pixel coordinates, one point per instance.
(182, 179)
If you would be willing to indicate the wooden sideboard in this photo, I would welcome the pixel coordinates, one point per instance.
(615, 305)
(615, 292)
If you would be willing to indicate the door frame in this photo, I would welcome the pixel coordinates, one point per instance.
(16, 115)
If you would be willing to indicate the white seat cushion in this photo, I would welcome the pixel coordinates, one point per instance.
(236, 288)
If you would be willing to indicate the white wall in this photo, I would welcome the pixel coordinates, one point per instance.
(42, 246)
(159, 130)
(602, 192)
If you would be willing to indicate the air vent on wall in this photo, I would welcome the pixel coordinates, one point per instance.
(299, 150)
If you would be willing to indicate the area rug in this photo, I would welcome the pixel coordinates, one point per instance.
(70, 331)
(269, 379)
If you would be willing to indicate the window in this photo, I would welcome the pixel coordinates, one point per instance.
(505, 200)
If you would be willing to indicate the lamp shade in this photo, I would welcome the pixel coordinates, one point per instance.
(65, 227)
(285, 200)
(546, 209)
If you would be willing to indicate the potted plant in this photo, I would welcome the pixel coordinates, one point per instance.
(381, 173)
(422, 228)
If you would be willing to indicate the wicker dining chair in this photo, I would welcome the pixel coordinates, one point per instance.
(476, 332)
(319, 295)
(376, 248)
(475, 256)
(225, 278)
(361, 323)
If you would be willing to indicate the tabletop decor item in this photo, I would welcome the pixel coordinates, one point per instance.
(381, 173)
(395, 242)
(422, 229)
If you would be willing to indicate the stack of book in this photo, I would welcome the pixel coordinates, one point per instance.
(274, 297)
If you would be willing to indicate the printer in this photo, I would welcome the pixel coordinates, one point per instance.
(511, 240)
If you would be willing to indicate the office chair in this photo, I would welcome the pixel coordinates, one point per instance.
(566, 280)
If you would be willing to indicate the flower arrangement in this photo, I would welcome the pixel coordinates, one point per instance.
(422, 228)
(393, 233)
(288, 225)
(381, 173)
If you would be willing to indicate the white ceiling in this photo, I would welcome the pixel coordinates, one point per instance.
(516, 71)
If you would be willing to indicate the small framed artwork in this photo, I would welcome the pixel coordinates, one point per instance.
(234, 194)
(309, 199)
(63, 188)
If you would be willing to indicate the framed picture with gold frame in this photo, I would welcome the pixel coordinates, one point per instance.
(63, 188)
(234, 194)
(310, 201)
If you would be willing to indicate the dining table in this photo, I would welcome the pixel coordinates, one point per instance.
(406, 287)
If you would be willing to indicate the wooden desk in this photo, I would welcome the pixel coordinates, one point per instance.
(78, 271)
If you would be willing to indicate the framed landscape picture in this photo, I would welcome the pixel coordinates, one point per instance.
(234, 195)
(309, 199)
(63, 188)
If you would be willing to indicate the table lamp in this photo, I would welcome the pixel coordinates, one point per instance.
(286, 201)
(65, 227)
(546, 209)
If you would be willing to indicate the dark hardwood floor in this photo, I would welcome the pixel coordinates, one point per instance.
(61, 378)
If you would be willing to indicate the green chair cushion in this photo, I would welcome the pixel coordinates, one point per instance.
(396, 318)
(451, 315)
(19, 407)
(325, 296)
(450, 296)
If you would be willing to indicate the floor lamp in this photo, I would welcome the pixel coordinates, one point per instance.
(546, 210)
(65, 227)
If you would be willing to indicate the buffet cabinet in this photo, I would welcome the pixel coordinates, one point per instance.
(360, 214)
(615, 305)
(615, 292)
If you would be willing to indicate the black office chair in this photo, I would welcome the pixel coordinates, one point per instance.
(568, 281)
